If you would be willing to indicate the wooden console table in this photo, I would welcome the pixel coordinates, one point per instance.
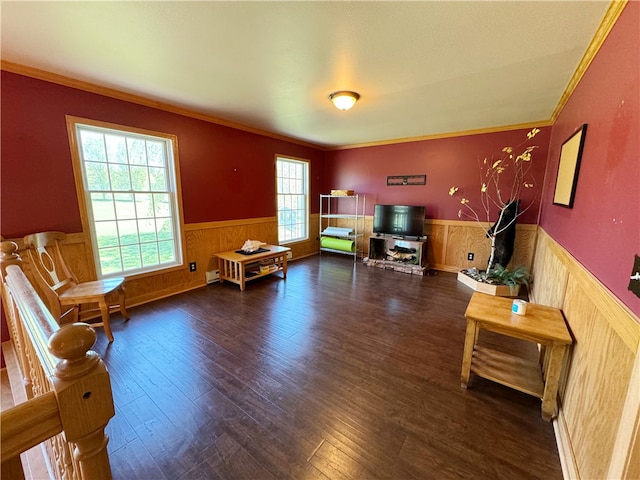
(233, 265)
(541, 324)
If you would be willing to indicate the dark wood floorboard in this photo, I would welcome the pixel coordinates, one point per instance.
(342, 371)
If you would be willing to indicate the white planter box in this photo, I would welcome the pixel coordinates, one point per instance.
(497, 290)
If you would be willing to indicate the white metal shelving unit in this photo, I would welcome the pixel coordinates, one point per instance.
(333, 215)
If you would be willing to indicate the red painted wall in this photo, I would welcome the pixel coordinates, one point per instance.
(602, 231)
(226, 173)
(446, 162)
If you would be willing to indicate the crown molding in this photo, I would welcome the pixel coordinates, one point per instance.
(463, 133)
(608, 21)
(140, 100)
(611, 16)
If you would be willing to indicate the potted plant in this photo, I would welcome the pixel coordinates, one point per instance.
(499, 281)
(518, 276)
(502, 181)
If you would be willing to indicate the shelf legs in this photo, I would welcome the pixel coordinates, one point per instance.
(469, 342)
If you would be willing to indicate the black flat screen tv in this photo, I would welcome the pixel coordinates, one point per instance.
(399, 220)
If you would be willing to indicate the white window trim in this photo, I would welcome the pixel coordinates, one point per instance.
(87, 221)
(307, 164)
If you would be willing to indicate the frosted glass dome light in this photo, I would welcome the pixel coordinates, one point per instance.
(344, 100)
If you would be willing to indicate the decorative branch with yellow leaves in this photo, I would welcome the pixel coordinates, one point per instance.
(497, 190)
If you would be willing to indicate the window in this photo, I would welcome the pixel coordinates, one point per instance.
(292, 186)
(128, 186)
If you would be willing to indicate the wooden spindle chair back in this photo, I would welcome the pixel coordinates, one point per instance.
(65, 294)
(46, 259)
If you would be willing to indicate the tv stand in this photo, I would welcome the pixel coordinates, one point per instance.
(392, 249)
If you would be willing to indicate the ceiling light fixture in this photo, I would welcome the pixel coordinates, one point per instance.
(344, 100)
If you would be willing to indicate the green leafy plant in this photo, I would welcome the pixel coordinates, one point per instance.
(517, 276)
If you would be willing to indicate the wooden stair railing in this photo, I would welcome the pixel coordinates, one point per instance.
(69, 399)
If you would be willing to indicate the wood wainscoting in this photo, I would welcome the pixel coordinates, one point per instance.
(202, 242)
(599, 422)
(449, 242)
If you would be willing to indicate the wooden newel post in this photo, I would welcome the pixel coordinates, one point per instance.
(83, 389)
(9, 255)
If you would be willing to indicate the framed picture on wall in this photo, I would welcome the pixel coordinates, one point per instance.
(568, 168)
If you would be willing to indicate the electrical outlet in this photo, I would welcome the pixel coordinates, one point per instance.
(470, 256)
(192, 266)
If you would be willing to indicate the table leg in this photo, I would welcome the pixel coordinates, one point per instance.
(469, 342)
(221, 266)
(542, 355)
(104, 313)
(240, 274)
(284, 265)
(121, 302)
(554, 368)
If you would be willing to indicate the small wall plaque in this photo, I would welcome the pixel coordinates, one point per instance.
(406, 180)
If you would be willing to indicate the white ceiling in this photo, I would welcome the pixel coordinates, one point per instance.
(422, 68)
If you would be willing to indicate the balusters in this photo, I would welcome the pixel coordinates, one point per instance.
(9, 256)
(60, 360)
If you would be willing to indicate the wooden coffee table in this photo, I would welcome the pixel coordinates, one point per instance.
(541, 324)
(233, 265)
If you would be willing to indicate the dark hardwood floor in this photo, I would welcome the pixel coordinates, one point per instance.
(342, 371)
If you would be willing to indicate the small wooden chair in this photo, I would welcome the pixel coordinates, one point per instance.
(64, 293)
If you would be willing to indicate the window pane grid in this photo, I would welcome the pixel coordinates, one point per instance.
(292, 200)
(128, 186)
